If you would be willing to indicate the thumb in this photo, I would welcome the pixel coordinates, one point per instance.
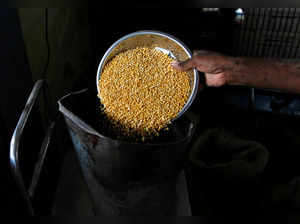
(185, 65)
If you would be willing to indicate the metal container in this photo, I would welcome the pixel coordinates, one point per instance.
(160, 41)
(124, 178)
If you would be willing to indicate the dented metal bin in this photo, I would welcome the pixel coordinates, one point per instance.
(124, 177)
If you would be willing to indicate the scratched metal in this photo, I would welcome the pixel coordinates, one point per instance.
(124, 178)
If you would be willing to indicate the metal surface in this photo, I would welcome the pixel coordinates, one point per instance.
(161, 41)
(270, 33)
(15, 144)
(41, 159)
(120, 175)
(73, 197)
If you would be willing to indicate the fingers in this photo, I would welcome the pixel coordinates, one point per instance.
(198, 56)
(215, 80)
(185, 65)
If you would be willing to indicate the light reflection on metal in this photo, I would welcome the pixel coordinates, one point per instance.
(15, 143)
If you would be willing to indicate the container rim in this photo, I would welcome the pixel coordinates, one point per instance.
(77, 120)
(159, 33)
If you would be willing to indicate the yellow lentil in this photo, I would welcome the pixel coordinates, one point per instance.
(141, 92)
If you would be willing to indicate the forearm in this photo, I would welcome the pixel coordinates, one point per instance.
(265, 73)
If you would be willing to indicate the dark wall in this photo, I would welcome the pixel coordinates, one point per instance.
(69, 42)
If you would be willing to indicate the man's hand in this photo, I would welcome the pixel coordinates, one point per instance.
(222, 70)
(216, 66)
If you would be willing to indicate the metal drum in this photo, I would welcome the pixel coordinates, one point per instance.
(122, 176)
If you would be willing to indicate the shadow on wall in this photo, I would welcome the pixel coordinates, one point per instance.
(69, 42)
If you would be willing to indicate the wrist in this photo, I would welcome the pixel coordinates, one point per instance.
(231, 69)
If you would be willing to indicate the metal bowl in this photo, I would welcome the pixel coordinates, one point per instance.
(160, 41)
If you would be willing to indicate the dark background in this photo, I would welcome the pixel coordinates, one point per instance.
(77, 40)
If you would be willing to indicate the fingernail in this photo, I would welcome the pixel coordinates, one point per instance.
(195, 52)
(175, 63)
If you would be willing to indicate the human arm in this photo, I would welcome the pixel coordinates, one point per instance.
(222, 70)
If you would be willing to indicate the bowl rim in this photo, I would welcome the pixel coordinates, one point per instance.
(163, 34)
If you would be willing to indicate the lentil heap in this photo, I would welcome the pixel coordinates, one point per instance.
(140, 91)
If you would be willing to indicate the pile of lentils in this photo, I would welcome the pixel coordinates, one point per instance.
(141, 92)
